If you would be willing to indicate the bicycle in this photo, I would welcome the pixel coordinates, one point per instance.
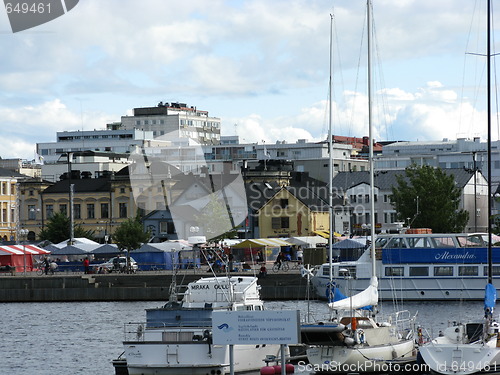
(40, 270)
(283, 267)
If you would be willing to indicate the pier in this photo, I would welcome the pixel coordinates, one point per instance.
(143, 286)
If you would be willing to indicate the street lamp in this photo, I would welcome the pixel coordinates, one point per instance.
(24, 233)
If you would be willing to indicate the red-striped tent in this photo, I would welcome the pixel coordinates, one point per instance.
(20, 255)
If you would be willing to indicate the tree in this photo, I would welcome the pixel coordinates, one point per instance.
(58, 227)
(130, 234)
(215, 220)
(430, 198)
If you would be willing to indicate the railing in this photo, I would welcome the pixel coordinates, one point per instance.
(168, 333)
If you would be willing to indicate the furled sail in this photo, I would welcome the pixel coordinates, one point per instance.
(367, 297)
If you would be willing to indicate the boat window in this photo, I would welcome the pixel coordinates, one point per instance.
(394, 271)
(443, 242)
(495, 270)
(471, 241)
(443, 271)
(418, 242)
(326, 271)
(468, 270)
(396, 243)
(419, 271)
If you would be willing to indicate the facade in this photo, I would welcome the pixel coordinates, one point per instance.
(175, 120)
(355, 187)
(99, 204)
(116, 141)
(9, 204)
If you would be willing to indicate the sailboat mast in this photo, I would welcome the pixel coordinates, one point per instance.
(488, 85)
(330, 158)
(370, 138)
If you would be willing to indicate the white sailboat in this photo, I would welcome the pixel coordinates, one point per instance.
(473, 347)
(354, 341)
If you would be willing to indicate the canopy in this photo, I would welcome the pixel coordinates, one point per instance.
(22, 249)
(326, 233)
(306, 241)
(261, 242)
(69, 250)
(350, 244)
(106, 249)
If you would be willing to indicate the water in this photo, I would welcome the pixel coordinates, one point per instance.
(82, 338)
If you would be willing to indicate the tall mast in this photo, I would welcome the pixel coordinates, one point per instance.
(370, 137)
(330, 158)
(488, 85)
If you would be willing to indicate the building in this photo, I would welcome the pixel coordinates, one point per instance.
(116, 141)
(9, 204)
(175, 120)
(355, 188)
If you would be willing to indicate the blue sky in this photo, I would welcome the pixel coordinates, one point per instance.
(261, 65)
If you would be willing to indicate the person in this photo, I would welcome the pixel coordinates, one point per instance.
(46, 265)
(260, 257)
(53, 267)
(86, 265)
(300, 254)
(279, 259)
(116, 264)
(262, 272)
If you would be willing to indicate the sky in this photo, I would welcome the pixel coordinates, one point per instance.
(261, 66)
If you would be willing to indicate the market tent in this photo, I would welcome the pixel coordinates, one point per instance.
(20, 255)
(162, 255)
(307, 241)
(107, 249)
(270, 248)
(326, 233)
(349, 249)
(78, 241)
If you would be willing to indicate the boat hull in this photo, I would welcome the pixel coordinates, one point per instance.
(158, 358)
(370, 359)
(460, 358)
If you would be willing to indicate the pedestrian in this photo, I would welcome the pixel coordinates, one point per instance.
(86, 265)
(262, 271)
(300, 254)
(279, 259)
(46, 265)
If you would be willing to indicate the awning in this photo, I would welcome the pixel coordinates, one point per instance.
(326, 233)
(262, 242)
(20, 250)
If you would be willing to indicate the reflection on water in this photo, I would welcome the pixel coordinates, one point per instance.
(83, 338)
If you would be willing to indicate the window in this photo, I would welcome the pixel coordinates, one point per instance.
(90, 211)
(138, 122)
(283, 203)
(419, 271)
(31, 212)
(367, 198)
(122, 208)
(280, 222)
(49, 209)
(394, 271)
(63, 208)
(443, 271)
(495, 270)
(468, 271)
(77, 212)
(353, 198)
(122, 190)
(31, 193)
(167, 227)
(104, 210)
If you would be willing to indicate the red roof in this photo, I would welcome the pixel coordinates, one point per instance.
(20, 249)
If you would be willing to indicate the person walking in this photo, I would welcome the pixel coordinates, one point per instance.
(86, 265)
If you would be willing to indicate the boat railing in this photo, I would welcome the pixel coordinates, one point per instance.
(136, 331)
(404, 322)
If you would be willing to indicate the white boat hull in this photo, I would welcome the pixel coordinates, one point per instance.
(342, 359)
(158, 358)
(460, 358)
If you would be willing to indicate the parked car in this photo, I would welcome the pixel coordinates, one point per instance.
(116, 264)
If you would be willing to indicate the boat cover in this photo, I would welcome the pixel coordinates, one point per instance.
(367, 297)
(490, 297)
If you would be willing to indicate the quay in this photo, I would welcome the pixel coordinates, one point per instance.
(142, 286)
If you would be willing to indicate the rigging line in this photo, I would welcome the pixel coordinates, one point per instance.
(462, 94)
(355, 93)
(340, 72)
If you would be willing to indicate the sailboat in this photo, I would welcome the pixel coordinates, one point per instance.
(353, 341)
(473, 347)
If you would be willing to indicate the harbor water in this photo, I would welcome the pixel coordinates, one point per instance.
(83, 337)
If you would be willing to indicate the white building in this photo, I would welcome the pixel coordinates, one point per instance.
(176, 120)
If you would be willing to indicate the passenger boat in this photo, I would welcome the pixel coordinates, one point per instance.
(176, 338)
(419, 267)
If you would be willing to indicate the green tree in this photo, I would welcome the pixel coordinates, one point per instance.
(215, 220)
(430, 198)
(57, 229)
(130, 234)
